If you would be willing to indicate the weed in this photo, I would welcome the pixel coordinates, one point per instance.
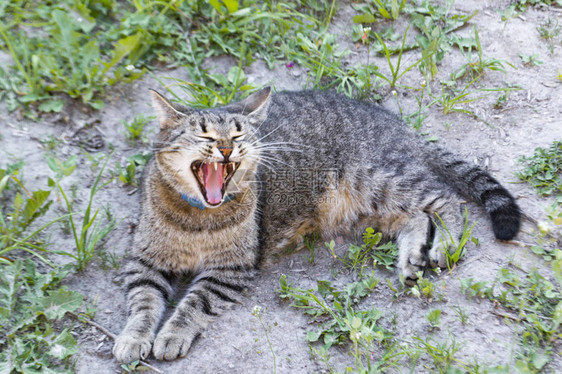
(68, 61)
(549, 30)
(543, 170)
(394, 70)
(328, 301)
(437, 25)
(321, 56)
(50, 143)
(91, 232)
(462, 314)
(400, 290)
(479, 66)
(523, 4)
(336, 310)
(449, 240)
(416, 119)
(533, 302)
(508, 14)
(451, 97)
(15, 223)
(135, 128)
(310, 242)
(441, 353)
(94, 159)
(480, 289)
(434, 318)
(133, 167)
(357, 256)
(31, 302)
(258, 312)
(109, 259)
(531, 60)
(426, 288)
(215, 89)
(134, 367)
(388, 9)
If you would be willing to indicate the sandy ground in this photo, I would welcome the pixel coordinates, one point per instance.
(236, 343)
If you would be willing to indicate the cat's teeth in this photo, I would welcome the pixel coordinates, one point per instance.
(216, 165)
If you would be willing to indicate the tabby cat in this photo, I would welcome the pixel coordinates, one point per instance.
(230, 187)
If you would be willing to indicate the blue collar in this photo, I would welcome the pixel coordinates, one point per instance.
(196, 203)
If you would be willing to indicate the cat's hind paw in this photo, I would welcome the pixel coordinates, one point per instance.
(130, 348)
(415, 263)
(438, 256)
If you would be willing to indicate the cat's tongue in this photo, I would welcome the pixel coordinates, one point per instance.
(214, 178)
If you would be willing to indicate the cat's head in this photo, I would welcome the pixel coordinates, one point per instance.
(199, 151)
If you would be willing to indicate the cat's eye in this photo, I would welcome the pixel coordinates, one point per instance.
(207, 138)
(239, 137)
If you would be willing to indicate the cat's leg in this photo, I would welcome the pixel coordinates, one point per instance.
(210, 292)
(147, 290)
(412, 240)
(450, 227)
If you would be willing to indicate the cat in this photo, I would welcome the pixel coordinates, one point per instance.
(229, 188)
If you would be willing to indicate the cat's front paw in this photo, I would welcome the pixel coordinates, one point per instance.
(129, 348)
(171, 345)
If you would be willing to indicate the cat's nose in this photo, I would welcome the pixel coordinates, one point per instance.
(225, 151)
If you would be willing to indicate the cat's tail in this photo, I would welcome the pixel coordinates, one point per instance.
(471, 182)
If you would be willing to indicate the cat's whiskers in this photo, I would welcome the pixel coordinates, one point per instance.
(277, 149)
(274, 160)
(265, 163)
(278, 146)
(266, 135)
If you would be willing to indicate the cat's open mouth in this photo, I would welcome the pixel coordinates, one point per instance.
(213, 178)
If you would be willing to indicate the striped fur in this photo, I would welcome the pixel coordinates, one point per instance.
(305, 162)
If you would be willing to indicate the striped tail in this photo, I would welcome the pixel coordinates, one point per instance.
(471, 182)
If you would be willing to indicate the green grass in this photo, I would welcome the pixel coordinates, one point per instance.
(434, 318)
(543, 170)
(130, 171)
(534, 303)
(456, 247)
(92, 232)
(523, 4)
(31, 303)
(359, 257)
(84, 49)
(17, 221)
(35, 335)
(135, 128)
(531, 60)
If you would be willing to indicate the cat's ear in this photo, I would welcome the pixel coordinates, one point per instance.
(168, 116)
(254, 106)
